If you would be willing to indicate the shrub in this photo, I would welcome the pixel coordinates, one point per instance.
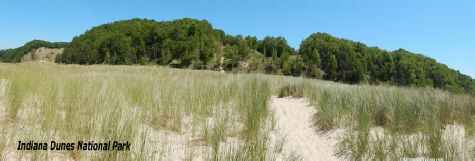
(293, 90)
(382, 117)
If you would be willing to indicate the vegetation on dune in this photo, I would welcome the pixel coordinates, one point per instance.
(380, 122)
(140, 104)
(389, 123)
(183, 43)
(354, 62)
(292, 90)
(189, 43)
(15, 55)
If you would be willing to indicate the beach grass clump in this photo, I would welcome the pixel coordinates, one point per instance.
(292, 90)
(253, 105)
(402, 113)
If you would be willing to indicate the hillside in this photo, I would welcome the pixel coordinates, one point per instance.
(15, 55)
(190, 43)
(42, 54)
(195, 44)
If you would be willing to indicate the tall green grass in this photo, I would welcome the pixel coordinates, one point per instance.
(141, 103)
(412, 120)
(136, 103)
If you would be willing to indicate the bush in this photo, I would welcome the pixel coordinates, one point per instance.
(294, 90)
(382, 117)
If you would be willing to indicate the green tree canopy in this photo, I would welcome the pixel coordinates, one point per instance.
(181, 43)
(354, 62)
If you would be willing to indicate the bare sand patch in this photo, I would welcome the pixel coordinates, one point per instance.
(42, 54)
(294, 123)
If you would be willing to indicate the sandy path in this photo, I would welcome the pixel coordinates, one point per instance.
(294, 122)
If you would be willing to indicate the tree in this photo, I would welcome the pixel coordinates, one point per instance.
(332, 68)
(293, 66)
(312, 63)
(271, 46)
(251, 42)
(231, 57)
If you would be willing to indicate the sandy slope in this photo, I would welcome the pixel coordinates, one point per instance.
(42, 54)
(294, 122)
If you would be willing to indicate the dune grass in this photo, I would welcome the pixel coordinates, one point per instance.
(390, 123)
(208, 110)
(136, 104)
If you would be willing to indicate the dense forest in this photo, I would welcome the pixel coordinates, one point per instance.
(15, 55)
(354, 62)
(195, 44)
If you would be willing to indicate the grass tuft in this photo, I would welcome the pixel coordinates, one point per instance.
(292, 90)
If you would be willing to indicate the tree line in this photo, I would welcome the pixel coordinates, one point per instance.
(195, 44)
(354, 62)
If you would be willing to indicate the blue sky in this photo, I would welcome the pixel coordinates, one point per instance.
(441, 29)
